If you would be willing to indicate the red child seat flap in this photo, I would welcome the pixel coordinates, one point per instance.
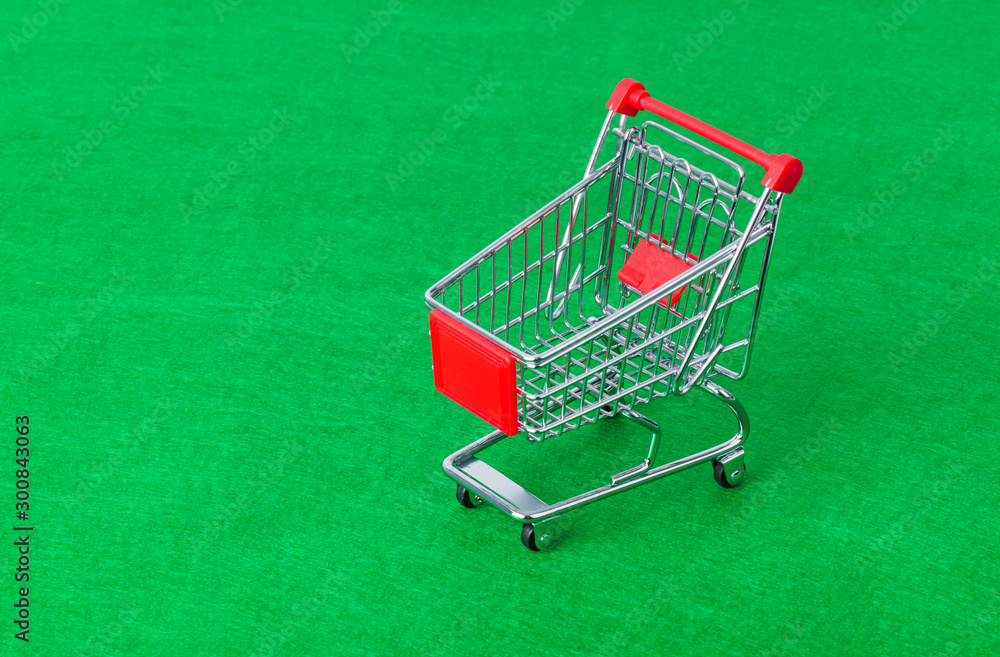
(649, 267)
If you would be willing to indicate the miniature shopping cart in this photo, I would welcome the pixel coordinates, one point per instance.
(642, 280)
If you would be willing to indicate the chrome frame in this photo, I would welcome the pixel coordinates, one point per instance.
(517, 502)
(633, 348)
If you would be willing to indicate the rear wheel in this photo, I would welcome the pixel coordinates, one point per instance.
(729, 475)
(466, 498)
(528, 537)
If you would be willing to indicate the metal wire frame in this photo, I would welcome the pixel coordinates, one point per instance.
(584, 356)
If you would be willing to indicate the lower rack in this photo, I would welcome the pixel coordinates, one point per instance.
(479, 482)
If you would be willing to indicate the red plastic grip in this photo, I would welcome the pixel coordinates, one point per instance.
(782, 172)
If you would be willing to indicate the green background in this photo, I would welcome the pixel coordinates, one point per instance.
(236, 441)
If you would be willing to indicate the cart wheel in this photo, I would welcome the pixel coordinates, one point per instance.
(528, 537)
(467, 499)
(734, 478)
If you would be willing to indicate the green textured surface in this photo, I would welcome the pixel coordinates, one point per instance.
(236, 439)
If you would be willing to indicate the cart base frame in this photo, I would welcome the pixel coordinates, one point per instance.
(479, 482)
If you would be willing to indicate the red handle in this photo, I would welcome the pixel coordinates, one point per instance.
(782, 172)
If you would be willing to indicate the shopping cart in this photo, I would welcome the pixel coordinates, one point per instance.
(642, 280)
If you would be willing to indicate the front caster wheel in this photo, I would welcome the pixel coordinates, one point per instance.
(729, 470)
(467, 499)
(528, 537)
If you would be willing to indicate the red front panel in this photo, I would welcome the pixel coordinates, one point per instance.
(474, 372)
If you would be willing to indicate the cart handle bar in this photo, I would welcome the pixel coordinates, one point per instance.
(782, 172)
